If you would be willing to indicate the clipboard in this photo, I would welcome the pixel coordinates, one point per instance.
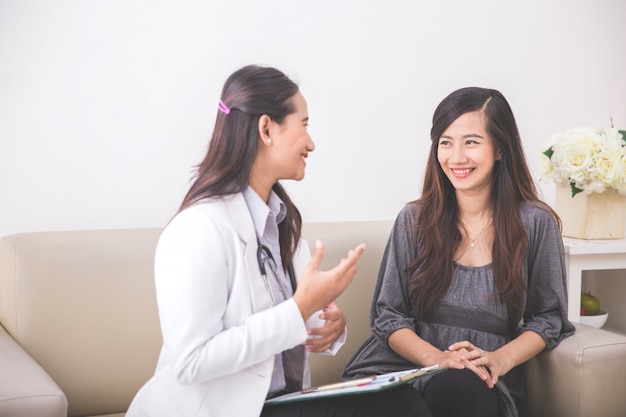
(357, 386)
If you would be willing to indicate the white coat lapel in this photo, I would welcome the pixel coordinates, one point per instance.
(240, 215)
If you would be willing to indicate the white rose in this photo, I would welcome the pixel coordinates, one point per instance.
(591, 159)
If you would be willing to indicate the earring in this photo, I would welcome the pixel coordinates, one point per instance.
(269, 141)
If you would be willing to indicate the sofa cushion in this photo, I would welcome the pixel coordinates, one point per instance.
(82, 304)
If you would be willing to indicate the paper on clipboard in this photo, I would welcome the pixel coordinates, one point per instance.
(357, 386)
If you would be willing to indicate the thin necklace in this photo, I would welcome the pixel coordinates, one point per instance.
(473, 241)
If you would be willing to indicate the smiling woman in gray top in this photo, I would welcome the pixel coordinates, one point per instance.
(473, 276)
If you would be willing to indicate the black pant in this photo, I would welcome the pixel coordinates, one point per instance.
(401, 401)
(460, 393)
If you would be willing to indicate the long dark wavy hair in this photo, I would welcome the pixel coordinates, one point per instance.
(249, 93)
(438, 222)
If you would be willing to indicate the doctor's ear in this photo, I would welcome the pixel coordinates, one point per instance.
(265, 123)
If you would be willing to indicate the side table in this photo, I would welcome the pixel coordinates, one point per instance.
(583, 255)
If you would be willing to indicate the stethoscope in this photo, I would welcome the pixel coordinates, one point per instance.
(263, 253)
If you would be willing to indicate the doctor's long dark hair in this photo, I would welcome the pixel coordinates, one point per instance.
(249, 93)
(438, 222)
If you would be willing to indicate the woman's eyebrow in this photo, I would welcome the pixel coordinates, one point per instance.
(469, 135)
(473, 135)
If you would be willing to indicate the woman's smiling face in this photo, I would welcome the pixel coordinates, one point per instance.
(291, 142)
(466, 153)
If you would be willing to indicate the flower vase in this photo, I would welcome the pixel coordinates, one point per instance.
(591, 216)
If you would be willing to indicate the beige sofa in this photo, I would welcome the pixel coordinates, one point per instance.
(80, 330)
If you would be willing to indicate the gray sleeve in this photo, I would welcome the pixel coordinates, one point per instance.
(391, 304)
(546, 305)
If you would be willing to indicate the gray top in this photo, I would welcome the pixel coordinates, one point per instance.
(469, 310)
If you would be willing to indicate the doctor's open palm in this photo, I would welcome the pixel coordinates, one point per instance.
(316, 289)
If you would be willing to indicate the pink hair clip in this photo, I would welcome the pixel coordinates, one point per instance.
(223, 107)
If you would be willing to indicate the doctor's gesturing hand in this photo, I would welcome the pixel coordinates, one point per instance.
(318, 289)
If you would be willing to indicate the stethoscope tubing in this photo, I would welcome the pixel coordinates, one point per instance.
(268, 253)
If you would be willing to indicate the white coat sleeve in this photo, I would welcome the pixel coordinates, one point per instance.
(201, 282)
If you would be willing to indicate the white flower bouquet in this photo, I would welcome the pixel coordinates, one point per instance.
(590, 160)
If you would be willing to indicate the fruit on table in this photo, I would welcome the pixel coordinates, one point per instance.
(589, 304)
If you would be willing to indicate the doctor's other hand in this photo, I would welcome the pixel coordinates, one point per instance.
(330, 325)
(317, 289)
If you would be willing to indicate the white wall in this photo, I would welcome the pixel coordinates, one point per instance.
(105, 106)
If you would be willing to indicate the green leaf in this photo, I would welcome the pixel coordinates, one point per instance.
(549, 152)
(575, 190)
(623, 132)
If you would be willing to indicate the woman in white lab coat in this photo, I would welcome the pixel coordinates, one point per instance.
(235, 283)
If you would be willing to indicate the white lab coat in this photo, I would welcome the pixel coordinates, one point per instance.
(220, 330)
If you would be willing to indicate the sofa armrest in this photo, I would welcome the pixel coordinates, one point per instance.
(25, 388)
(584, 376)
